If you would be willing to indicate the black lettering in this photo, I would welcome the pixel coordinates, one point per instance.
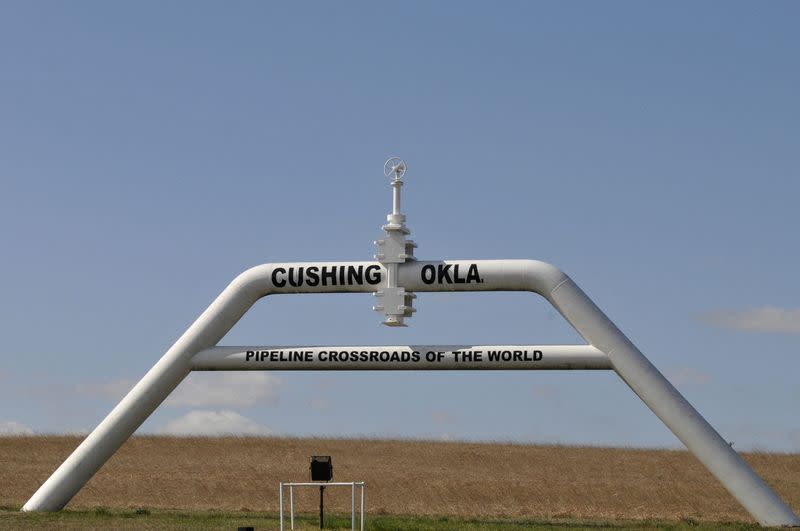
(472, 274)
(355, 275)
(296, 281)
(312, 276)
(444, 273)
(249, 355)
(373, 274)
(275, 282)
(537, 355)
(328, 275)
(458, 279)
(341, 275)
(428, 274)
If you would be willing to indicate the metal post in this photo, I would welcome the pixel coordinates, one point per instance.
(363, 485)
(291, 506)
(396, 196)
(321, 506)
(353, 506)
(280, 501)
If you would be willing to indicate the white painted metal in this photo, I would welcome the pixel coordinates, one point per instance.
(394, 301)
(396, 184)
(494, 275)
(291, 506)
(351, 484)
(324, 483)
(280, 503)
(400, 357)
(394, 167)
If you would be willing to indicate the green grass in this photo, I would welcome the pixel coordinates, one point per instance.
(98, 519)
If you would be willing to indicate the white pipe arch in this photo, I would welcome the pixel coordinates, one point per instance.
(494, 275)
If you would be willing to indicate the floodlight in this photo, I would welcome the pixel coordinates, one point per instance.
(321, 468)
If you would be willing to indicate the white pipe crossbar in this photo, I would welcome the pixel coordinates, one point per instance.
(457, 275)
(323, 484)
(402, 357)
(351, 484)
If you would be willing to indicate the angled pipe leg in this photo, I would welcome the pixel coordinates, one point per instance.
(146, 395)
(672, 408)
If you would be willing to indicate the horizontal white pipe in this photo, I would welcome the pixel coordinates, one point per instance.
(367, 277)
(401, 357)
(326, 484)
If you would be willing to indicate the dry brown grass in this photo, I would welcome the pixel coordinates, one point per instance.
(403, 477)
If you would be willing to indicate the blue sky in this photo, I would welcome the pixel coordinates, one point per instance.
(151, 151)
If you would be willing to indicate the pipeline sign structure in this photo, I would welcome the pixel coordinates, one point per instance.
(395, 277)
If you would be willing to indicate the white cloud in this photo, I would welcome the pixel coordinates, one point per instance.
(685, 376)
(768, 319)
(214, 423)
(14, 428)
(203, 389)
(231, 389)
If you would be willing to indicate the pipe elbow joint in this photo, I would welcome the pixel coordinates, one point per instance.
(254, 283)
(540, 277)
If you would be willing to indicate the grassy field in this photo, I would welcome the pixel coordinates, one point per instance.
(189, 521)
(509, 483)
